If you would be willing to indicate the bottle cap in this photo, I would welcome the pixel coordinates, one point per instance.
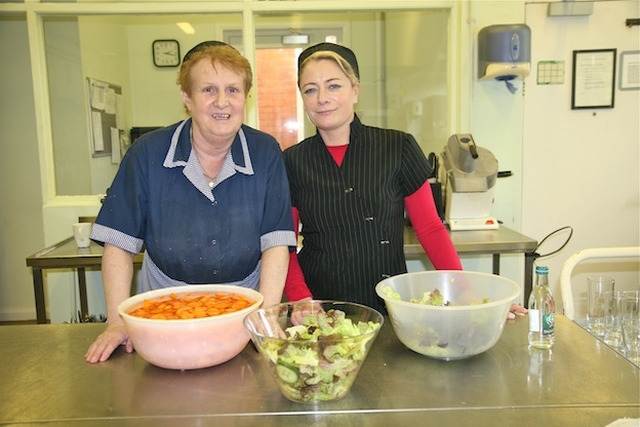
(540, 269)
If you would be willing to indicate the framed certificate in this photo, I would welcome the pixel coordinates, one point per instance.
(629, 71)
(593, 78)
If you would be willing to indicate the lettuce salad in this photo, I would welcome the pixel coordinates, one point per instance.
(426, 339)
(428, 298)
(320, 358)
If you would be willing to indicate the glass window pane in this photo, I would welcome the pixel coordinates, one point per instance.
(116, 50)
(277, 94)
(402, 58)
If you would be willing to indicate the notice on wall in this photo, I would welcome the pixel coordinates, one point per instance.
(96, 130)
(630, 70)
(105, 116)
(115, 145)
(593, 78)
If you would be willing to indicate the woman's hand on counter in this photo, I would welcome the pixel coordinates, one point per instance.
(516, 310)
(106, 343)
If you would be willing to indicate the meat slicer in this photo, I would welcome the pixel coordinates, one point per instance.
(471, 174)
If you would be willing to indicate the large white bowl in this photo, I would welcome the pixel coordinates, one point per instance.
(452, 332)
(188, 343)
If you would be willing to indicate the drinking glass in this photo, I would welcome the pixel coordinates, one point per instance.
(597, 286)
(631, 325)
(613, 311)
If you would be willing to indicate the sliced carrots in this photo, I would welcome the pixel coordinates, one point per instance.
(189, 306)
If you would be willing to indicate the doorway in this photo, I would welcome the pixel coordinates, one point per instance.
(280, 111)
(276, 76)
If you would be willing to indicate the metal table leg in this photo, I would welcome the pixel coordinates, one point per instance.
(82, 287)
(529, 258)
(38, 289)
(496, 264)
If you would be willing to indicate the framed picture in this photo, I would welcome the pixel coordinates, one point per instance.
(593, 78)
(629, 71)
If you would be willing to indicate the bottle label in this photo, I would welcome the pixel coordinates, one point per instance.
(534, 322)
(548, 321)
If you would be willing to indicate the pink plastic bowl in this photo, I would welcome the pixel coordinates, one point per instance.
(190, 343)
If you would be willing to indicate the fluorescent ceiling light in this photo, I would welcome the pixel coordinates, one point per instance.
(186, 27)
(295, 39)
(570, 8)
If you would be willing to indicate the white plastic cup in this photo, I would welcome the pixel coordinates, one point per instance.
(597, 286)
(82, 234)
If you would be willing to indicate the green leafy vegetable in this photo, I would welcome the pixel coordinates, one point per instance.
(431, 298)
(434, 297)
(321, 357)
(426, 338)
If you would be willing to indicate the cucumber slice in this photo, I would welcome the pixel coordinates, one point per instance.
(286, 374)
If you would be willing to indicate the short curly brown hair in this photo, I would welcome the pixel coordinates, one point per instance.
(223, 55)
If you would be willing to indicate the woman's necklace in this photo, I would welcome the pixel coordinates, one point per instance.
(210, 180)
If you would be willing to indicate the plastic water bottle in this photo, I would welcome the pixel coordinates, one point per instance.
(541, 312)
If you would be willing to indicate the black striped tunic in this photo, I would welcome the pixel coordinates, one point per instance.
(353, 215)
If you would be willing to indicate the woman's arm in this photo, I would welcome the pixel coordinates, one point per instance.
(295, 287)
(273, 273)
(430, 230)
(433, 235)
(117, 274)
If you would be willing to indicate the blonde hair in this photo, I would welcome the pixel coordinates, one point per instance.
(344, 65)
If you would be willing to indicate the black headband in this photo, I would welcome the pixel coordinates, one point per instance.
(202, 45)
(346, 54)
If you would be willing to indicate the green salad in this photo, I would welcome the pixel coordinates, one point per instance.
(425, 337)
(320, 358)
(428, 298)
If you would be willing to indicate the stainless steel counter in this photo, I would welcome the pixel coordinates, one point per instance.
(477, 242)
(582, 382)
(65, 254)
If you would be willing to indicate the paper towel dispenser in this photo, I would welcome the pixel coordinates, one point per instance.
(504, 52)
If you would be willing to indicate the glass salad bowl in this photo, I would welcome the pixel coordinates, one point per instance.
(314, 349)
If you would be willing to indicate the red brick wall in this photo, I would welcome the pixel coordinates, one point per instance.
(276, 76)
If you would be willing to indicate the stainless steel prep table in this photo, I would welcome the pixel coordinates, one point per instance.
(479, 242)
(66, 254)
(45, 381)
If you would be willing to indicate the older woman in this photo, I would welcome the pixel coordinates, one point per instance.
(207, 197)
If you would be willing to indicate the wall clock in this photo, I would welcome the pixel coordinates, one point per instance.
(166, 53)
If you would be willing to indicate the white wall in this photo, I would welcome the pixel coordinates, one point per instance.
(496, 124)
(21, 221)
(582, 166)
